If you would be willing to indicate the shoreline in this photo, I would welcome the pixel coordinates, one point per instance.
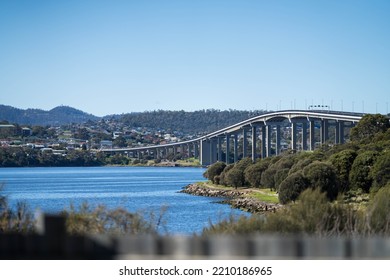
(239, 199)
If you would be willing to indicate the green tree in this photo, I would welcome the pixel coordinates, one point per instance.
(369, 126)
(380, 172)
(253, 172)
(236, 176)
(120, 142)
(323, 176)
(292, 187)
(268, 176)
(342, 162)
(214, 170)
(359, 176)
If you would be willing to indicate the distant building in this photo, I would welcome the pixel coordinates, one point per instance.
(105, 144)
(7, 130)
(26, 132)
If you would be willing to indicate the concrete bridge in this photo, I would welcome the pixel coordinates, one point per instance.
(259, 137)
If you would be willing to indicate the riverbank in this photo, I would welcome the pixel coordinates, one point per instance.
(246, 199)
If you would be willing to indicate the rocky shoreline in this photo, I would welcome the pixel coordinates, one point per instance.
(235, 198)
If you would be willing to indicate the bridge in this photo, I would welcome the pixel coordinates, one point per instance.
(259, 137)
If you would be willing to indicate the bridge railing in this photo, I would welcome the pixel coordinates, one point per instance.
(52, 242)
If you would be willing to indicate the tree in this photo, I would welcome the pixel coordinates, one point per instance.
(253, 173)
(214, 170)
(342, 162)
(236, 176)
(368, 126)
(380, 172)
(359, 176)
(120, 142)
(292, 187)
(322, 175)
(268, 176)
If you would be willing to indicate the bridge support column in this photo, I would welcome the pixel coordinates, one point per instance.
(324, 131)
(278, 138)
(337, 133)
(254, 138)
(263, 142)
(158, 156)
(312, 135)
(213, 151)
(294, 136)
(269, 140)
(227, 148)
(196, 150)
(341, 132)
(205, 152)
(304, 136)
(244, 143)
(235, 148)
(219, 149)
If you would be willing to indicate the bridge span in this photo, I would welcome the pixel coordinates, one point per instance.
(259, 137)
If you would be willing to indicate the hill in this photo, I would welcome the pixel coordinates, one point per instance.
(56, 116)
(202, 121)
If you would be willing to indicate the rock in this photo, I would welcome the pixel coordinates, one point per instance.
(235, 198)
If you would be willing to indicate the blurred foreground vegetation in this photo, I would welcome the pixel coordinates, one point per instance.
(85, 220)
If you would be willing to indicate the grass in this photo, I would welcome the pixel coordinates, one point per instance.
(265, 195)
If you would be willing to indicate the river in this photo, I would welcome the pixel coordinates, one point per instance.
(144, 189)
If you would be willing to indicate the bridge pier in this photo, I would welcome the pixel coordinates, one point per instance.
(263, 142)
(227, 148)
(254, 139)
(235, 139)
(244, 143)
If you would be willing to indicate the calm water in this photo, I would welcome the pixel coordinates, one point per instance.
(134, 188)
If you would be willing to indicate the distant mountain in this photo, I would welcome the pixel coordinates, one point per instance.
(56, 116)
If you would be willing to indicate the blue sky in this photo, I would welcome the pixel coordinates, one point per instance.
(107, 57)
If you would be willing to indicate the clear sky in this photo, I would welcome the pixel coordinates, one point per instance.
(107, 57)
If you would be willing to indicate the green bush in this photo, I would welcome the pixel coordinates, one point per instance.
(378, 213)
(380, 172)
(292, 187)
(100, 220)
(342, 162)
(323, 176)
(359, 176)
(20, 220)
(214, 170)
(253, 173)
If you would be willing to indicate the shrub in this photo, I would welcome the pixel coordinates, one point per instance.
(369, 126)
(322, 176)
(359, 176)
(20, 220)
(291, 187)
(342, 162)
(253, 173)
(378, 213)
(380, 172)
(214, 170)
(235, 176)
(113, 221)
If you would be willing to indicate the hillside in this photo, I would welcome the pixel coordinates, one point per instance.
(197, 122)
(202, 121)
(56, 116)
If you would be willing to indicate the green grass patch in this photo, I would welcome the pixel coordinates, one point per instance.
(265, 195)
